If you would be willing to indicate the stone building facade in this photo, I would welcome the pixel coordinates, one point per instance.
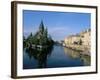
(83, 38)
(86, 38)
(72, 39)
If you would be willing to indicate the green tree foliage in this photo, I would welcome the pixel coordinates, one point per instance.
(41, 37)
(30, 38)
(24, 41)
(80, 42)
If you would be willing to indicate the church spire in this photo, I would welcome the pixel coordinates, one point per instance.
(41, 27)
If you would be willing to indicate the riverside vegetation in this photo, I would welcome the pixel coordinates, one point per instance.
(41, 39)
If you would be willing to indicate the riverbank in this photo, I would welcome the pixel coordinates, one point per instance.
(58, 56)
(84, 49)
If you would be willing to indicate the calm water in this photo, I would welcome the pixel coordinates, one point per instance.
(57, 56)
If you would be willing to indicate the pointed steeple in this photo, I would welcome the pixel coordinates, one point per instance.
(41, 27)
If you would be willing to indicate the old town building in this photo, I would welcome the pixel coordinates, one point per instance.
(83, 38)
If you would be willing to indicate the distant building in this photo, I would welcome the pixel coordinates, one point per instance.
(83, 38)
(86, 37)
(72, 39)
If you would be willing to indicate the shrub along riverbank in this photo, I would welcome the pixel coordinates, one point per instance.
(40, 39)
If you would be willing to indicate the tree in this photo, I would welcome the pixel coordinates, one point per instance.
(80, 42)
(29, 39)
(24, 41)
(41, 37)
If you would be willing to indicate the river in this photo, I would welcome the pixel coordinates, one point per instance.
(57, 56)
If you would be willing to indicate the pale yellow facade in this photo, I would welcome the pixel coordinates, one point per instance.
(72, 39)
(87, 38)
(84, 37)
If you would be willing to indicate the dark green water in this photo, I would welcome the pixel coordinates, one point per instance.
(56, 56)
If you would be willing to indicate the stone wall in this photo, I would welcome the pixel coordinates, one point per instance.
(81, 41)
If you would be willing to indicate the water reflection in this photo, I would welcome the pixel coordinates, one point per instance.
(86, 59)
(52, 57)
(40, 55)
(76, 54)
(71, 53)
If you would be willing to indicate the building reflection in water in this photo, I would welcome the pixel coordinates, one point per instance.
(76, 54)
(40, 55)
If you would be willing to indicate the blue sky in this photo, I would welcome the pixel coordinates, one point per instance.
(59, 24)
